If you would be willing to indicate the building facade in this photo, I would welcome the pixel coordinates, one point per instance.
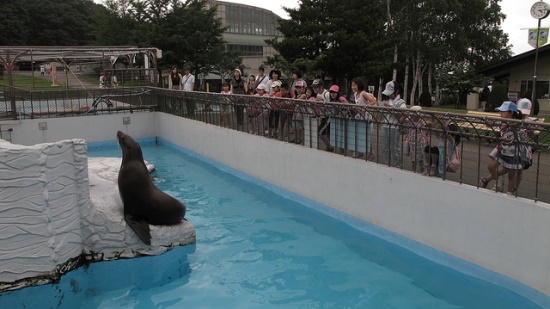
(517, 73)
(247, 29)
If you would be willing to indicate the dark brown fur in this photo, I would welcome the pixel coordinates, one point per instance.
(144, 203)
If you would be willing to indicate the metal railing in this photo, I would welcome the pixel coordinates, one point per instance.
(24, 104)
(359, 132)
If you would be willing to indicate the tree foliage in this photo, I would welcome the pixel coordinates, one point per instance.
(339, 41)
(425, 99)
(48, 22)
(414, 37)
(187, 32)
(498, 94)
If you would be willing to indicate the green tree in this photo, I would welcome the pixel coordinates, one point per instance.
(226, 65)
(425, 99)
(434, 33)
(498, 94)
(192, 35)
(340, 41)
(14, 28)
(48, 22)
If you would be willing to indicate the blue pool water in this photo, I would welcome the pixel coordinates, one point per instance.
(256, 249)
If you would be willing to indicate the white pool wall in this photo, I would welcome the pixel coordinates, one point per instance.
(502, 234)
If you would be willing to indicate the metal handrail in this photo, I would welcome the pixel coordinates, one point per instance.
(479, 134)
(355, 131)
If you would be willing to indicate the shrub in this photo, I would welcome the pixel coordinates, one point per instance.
(425, 99)
(536, 107)
(498, 94)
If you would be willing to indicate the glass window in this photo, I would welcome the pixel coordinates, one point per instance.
(246, 20)
(246, 50)
(543, 88)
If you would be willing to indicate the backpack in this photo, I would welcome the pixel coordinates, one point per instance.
(526, 156)
(455, 160)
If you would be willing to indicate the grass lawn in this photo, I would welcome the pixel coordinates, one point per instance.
(25, 81)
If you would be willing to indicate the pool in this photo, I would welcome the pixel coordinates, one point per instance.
(256, 249)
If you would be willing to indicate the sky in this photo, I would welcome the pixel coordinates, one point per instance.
(518, 18)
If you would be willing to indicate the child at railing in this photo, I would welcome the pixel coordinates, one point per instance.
(259, 111)
(298, 115)
(434, 157)
(416, 139)
(224, 108)
(506, 157)
(287, 109)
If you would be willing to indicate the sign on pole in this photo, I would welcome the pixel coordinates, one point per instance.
(542, 37)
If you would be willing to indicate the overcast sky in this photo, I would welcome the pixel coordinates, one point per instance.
(517, 14)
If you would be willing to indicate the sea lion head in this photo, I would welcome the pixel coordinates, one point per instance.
(130, 148)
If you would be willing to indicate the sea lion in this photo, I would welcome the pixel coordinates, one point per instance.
(144, 203)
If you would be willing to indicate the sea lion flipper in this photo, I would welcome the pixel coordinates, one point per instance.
(140, 227)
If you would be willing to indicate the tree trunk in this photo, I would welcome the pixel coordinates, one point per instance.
(417, 72)
(430, 77)
(406, 81)
(380, 88)
(437, 94)
(394, 76)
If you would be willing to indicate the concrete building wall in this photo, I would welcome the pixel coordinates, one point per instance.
(525, 72)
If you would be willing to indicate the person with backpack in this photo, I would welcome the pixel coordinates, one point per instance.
(507, 156)
(323, 129)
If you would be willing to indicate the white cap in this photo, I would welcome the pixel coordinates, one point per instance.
(524, 105)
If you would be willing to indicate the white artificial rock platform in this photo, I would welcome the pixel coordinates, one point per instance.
(60, 209)
(106, 234)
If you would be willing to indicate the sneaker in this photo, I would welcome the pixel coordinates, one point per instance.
(483, 182)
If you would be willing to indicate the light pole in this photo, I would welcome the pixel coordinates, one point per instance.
(539, 11)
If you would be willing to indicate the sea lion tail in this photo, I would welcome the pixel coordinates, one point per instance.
(140, 227)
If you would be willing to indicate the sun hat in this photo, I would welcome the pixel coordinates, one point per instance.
(240, 73)
(301, 83)
(507, 106)
(276, 84)
(415, 108)
(261, 87)
(524, 105)
(390, 88)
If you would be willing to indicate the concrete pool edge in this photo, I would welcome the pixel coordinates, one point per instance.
(416, 247)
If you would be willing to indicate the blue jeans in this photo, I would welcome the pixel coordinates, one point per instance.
(390, 146)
